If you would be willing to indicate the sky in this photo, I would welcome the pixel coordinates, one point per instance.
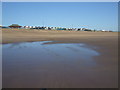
(92, 15)
(60, 0)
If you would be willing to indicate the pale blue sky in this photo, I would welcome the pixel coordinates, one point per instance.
(93, 15)
(60, 0)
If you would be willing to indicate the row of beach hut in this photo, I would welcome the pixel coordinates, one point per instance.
(50, 28)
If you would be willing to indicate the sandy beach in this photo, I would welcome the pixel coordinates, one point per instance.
(106, 41)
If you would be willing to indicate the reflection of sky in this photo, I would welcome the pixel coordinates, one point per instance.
(40, 51)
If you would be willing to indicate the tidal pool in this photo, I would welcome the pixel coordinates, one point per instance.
(44, 65)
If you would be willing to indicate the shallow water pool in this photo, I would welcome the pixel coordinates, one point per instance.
(39, 64)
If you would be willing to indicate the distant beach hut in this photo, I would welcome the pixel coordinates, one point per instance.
(15, 26)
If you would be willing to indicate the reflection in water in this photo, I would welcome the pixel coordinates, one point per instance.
(36, 64)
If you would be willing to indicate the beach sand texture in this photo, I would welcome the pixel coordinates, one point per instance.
(106, 72)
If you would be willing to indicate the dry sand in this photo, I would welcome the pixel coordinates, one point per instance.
(23, 35)
(107, 41)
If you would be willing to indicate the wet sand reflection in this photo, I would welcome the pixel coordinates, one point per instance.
(40, 65)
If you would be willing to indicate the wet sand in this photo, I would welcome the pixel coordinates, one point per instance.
(106, 71)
